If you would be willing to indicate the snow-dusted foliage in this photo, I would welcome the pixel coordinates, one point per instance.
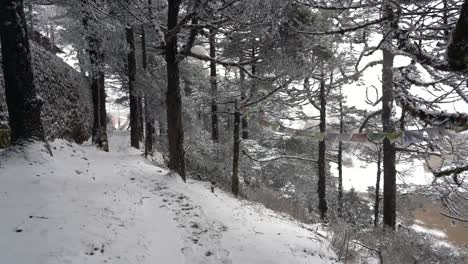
(457, 121)
(67, 109)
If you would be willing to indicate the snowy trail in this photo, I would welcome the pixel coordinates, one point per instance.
(87, 206)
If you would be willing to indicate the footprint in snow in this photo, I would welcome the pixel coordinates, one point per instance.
(203, 236)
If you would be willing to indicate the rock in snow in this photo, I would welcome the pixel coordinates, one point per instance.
(121, 208)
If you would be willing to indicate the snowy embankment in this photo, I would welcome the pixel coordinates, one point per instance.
(87, 206)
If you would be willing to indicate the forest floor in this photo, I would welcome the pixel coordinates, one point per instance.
(87, 206)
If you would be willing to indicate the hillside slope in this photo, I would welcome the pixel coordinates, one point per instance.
(87, 206)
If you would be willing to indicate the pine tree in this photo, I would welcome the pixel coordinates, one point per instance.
(175, 128)
(24, 103)
(389, 153)
(96, 57)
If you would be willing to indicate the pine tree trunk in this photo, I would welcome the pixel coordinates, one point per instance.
(96, 99)
(24, 105)
(245, 127)
(96, 58)
(149, 130)
(236, 151)
(340, 162)
(245, 124)
(141, 118)
(445, 18)
(340, 178)
(389, 161)
(134, 101)
(103, 142)
(245, 121)
(377, 188)
(321, 185)
(457, 49)
(149, 124)
(175, 129)
(214, 88)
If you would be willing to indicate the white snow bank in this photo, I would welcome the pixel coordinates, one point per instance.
(199, 50)
(362, 175)
(433, 232)
(87, 206)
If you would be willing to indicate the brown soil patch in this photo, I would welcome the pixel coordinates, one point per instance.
(457, 231)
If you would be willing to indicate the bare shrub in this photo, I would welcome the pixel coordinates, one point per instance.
(277, 202)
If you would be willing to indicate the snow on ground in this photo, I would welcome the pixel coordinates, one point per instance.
(362, 175)
(87, 206)
(433, 232)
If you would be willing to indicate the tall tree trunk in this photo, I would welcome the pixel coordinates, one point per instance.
(149, 129)
(96, 57)
(389, 160)
(141, 119)
(321, 186)
(141, 107)
(149, 124)
(245, 121)
(445, 18)
(340, 160)
(245, 124)
(457, 49)
(377, 188)
(175, 128)
(103, 142)
(96, 100)
(236, 150)
(214, 88)
(134, 100)
(24, 104)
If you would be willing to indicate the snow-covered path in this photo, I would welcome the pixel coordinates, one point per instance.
(87, 206)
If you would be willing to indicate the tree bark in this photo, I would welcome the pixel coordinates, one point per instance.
(24, 104)
(149, 129)
(142, 111)
(245, 124)
(340, 161)
(321, 185)
(141, 119)
(214, 88)
(245, 127)
(149, 124)
(134, 101)
(96, 57)
(245, 121)
(103, 142)
(96, 98)
(457, 50)
(389, 153)
(175, 129)
(236, 150)
(377, 188)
